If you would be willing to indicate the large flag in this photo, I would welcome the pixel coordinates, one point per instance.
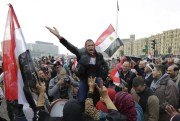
(108, 42)
(18, 65)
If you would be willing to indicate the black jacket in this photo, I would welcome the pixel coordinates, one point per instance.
(84, 69)
(128, 78)
(140, 71)
(148, 80)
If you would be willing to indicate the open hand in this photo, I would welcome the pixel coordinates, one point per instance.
(41, 88)
(102, 90)
(54, 31)
(60, 81)
(171, 110)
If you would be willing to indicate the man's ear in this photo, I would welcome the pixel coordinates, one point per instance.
(159, 72)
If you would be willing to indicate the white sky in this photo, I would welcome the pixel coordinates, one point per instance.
(79, 20)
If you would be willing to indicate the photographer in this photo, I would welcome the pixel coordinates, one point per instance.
(61, 86)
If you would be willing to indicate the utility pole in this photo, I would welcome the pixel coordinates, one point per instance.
(117, 17)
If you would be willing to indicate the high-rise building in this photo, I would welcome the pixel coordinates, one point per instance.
(128, 45)
(40, 49)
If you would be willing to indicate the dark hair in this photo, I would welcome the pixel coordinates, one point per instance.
(161, 68)
(88, 40)
(138, 81)
(176, 68)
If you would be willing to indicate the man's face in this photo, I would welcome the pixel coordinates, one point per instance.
(171, 71)
(156, 74)
(139, 88)
(158, 61)
(41, 74)
(146, 70)
(126, 66)
(90, 47)
(57, 67)
(62, 74)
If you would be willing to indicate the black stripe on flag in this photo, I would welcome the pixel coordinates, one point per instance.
(113, 47)
(29, 76)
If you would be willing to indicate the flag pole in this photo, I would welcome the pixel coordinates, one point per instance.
(117, 17)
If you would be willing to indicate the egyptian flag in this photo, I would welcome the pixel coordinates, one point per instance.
(115, 76)
(108, 42)
(18, 65)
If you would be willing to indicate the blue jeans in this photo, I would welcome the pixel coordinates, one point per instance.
(83, 89)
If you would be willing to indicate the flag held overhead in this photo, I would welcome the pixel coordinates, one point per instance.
(108, 42)
(18, 66)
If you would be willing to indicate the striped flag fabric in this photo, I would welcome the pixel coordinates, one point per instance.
(18, 65)
(115, 76)
(108, 42)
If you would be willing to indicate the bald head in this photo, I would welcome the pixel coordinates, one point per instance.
(142, 64)
(173, 71)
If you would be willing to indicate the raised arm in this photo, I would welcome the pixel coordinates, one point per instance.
(63, 41)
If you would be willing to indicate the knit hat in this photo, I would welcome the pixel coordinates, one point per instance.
(150, 66)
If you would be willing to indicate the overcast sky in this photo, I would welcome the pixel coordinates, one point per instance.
(79, 20)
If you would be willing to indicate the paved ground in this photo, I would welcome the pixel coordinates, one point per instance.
(3, 111)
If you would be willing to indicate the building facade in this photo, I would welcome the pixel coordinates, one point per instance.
(40, 49)
(167, 42)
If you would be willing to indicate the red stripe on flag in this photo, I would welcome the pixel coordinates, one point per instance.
(115, 75)
(104, 35)
(9, 59)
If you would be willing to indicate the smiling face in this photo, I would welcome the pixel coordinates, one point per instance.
(90, 47)
(126, 66)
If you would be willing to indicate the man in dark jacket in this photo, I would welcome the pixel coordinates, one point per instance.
(165, 89)
(139, 67)
(147, 100)
(127, 75)
(90, 62)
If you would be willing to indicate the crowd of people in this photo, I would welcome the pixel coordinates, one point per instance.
(149, 89)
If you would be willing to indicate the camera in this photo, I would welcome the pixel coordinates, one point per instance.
(67, 80)
(46, 71)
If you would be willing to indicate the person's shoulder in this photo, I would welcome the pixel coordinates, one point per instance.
(53, 79)
(82, 50)
(132, 73)
(170, 82)
(153, 98)
(99, 54)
